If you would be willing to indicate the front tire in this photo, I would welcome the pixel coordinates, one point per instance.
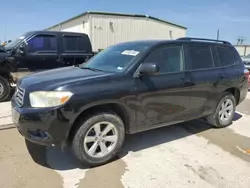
(224, 113)
(99, 139)
(4, 89)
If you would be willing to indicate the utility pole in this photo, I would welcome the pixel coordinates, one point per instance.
(241, 40)
(5, 32)
(218, 34)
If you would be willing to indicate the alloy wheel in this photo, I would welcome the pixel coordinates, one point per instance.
(1, 89)
(226, 110)
(101, 139)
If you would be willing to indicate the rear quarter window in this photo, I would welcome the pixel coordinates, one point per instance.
(226, 56)
(215, 57)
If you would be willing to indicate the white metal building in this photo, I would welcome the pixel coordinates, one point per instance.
(105, 29)
(243, 49)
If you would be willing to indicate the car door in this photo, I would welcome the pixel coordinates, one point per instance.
(42, 53)
(202, 69)
(74, 49)
(163, 98)
(19, 66)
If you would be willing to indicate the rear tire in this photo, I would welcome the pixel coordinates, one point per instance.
(224, 113)
(95, 146)
(4, 89)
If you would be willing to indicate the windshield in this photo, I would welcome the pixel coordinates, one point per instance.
(16, 41)
(116, 58)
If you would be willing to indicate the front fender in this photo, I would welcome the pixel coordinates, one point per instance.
(129, 113)
(99, 103)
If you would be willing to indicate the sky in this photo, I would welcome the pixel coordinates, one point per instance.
(202, 18)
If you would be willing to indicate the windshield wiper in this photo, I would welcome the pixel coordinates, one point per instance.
(90, 68)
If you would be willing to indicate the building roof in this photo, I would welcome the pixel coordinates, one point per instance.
(242, 45)
(118, 14)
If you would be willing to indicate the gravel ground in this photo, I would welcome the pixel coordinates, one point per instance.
(180, 156)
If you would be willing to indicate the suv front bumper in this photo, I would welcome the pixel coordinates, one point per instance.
(47, 127)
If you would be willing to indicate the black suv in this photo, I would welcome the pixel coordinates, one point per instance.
(127, 88)
(37, 51)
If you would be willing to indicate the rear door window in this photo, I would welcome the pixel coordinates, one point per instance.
(226, 56)
(215, 57)
(200, 57)
(75, 43)
(42, 43)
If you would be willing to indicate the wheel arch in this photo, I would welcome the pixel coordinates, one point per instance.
(5, 74)
(235, 92)
(114, 107)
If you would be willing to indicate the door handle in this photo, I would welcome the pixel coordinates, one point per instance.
(221, 76)
(58, 59)
(184, 81)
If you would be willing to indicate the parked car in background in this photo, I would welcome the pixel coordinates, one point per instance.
(38, 51)
(128, 88)
(246, 61)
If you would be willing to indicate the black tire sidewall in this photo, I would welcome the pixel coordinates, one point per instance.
(217, 118)
(6, 86)
(78, 147)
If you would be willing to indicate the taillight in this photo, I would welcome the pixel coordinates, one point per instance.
(246, 72)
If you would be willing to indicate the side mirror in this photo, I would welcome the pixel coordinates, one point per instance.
(22, 49)
(149, 69)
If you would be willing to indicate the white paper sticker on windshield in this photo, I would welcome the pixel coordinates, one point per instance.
(22, 37)
(130, 52)
(119, 68)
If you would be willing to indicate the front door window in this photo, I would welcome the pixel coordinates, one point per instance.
(169, 59)
(42, 43)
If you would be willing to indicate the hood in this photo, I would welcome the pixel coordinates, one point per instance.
(2, 49)
(54, 78)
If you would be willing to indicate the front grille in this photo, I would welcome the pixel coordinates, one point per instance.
(19, 96)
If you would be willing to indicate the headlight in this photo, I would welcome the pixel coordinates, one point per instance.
(40, 99)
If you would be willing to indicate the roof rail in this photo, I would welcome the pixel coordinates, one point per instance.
(202, 39)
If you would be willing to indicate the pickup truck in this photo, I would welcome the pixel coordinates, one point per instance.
(36, 51)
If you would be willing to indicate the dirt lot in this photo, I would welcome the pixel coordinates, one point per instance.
(180, 156)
